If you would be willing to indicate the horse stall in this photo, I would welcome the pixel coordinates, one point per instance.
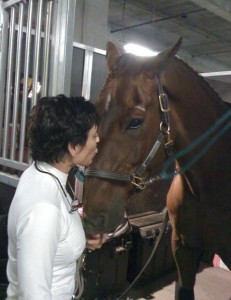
(39, 57)
(35, 60)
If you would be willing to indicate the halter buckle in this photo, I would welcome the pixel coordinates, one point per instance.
(163, 99)
(138, 182)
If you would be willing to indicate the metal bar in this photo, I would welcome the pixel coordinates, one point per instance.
(13, 164)
(37, 52)
(86, 47)
(46, 51)
(158, 20)
(25, 81)
(15, 129)
(88, 62)
(33, 32)
(211, 53)
(219, 73)
(9, 179)
(9, 82)
(62, 47)
(12, 2)
(4, 24)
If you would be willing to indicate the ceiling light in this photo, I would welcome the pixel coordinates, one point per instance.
(139, 50)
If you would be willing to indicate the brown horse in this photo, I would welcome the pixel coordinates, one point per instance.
(160, 103)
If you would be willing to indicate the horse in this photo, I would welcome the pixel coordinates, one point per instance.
(152, 110)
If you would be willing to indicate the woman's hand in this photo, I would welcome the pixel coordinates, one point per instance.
(95, 241)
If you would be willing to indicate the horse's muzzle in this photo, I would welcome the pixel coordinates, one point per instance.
(105, 221)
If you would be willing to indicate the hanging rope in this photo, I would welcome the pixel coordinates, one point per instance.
(79, 279)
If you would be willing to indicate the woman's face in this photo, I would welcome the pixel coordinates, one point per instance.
(86, 153)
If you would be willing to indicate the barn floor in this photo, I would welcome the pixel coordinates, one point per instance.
(211, 284)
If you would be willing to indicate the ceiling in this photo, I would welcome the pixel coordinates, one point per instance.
(205, 26)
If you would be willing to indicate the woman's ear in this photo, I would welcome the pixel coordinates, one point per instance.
(74, 149)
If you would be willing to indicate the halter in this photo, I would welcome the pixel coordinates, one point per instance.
(164, 134)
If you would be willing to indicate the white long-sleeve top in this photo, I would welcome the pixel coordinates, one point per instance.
(45, 240)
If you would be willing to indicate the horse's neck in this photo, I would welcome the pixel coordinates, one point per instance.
(197, 114)
(196, 106)
(195, 109)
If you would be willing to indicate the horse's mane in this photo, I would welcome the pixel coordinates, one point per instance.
(200, 78)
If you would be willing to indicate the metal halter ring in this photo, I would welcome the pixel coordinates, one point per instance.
(138, 182)
(164, 127)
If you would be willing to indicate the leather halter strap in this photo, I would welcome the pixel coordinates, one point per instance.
(136, 178)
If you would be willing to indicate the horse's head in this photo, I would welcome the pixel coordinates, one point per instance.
(129, 110)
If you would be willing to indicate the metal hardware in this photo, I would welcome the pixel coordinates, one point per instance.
(163, 99)
(138, 182)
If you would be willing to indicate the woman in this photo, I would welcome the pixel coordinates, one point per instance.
(46, 236)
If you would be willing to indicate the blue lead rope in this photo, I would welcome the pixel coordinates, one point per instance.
(79, 174)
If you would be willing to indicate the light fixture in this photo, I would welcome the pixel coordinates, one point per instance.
(139, 50)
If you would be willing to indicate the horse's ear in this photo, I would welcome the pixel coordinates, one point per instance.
(112, 55)
(161, 61)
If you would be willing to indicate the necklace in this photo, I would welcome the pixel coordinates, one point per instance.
(73, 206)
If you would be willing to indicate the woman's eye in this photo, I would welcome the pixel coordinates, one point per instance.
(134, 123)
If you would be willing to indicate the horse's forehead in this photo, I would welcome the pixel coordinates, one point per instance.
(123, 98)
(131, 90)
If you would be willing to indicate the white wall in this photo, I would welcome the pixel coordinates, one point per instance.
(91, 23)
(221, 83)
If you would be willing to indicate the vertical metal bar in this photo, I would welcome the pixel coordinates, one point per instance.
(62, 47)
(15, 129)
(9, 82)
(87, 72)
(25, 81)
(46, 48)
(4, 24)
(37, 52)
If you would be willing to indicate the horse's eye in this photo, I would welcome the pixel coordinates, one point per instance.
(134, 123)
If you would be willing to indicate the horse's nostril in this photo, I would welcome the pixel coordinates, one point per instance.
(93, 223)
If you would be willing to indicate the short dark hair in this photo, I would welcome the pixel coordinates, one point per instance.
(57, 121)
